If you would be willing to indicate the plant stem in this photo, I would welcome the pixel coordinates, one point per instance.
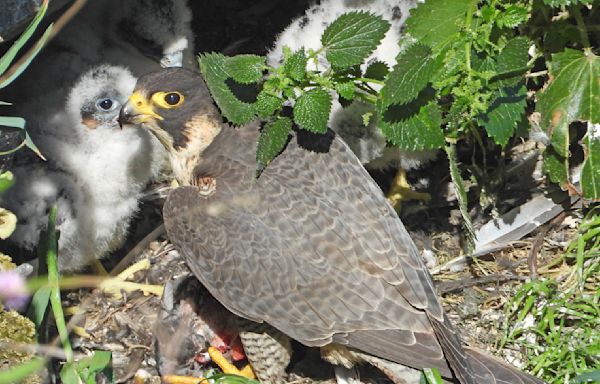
(367, 80)
(369, 98)
(581, 26)
(55, 302)
(468, 22)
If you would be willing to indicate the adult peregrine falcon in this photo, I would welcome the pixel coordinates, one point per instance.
(311, 247)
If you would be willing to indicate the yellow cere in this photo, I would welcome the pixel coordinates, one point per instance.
(142, 107)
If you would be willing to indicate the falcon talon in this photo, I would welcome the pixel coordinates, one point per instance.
(227, 367)
(206, 185)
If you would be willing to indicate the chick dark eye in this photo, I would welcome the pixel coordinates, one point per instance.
(172, 98)
(105, 104)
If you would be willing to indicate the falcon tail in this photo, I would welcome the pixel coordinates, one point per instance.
(474, 366)
(488, 369)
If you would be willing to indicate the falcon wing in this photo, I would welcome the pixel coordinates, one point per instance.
(313, 248)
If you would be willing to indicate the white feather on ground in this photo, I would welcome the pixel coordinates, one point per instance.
(96, 171)
(368, 143)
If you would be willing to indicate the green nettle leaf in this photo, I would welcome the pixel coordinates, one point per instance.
(377, 70)
(573, 94)
(512, 61)
(505, 113)
(213, 68)
(295, 65)
(590, 173)
(513, 16)
(412, 72)
(312, 109)
(417, 132)
(273, 138)
(245, 69)
(346, 89)
(556, 166)
(352, 37)
(267, 104)
(436, 22)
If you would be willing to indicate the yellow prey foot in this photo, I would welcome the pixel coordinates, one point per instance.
(229, 368)
(118, 283)
(400, 191)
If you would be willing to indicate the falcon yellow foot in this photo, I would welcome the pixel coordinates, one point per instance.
(229, 368)
(400, 191)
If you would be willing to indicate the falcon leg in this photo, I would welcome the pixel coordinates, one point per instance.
(228, 368)
(400, 190)
(345, 375)
(268, 350)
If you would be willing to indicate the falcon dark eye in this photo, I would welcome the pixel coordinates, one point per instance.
(172, 98)
(105, 104)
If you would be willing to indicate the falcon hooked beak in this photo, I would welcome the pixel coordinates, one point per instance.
(138, 110)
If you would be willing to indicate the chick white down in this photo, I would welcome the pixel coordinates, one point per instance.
(96, 171)
(367, 143)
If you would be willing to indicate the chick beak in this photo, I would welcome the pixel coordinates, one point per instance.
(125, 115)
(137, 110)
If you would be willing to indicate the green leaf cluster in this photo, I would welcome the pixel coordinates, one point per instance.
(463, 74)
(346, 43)
(7, 76)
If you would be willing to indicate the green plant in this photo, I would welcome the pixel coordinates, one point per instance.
(460, 76)
(73, 371)
(431, 376)
(556, 321)
(8, 75)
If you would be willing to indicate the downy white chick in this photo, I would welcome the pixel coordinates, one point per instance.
(367, 143)
(95, 173)
(157, 28)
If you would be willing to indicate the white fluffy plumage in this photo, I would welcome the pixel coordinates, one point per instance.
(96, 171)
(368, 143)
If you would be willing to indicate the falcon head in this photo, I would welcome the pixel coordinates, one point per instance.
(98, 95)
(175, 105)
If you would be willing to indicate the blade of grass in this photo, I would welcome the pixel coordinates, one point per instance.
(22, 371)
(5, 81)
(10, 55)
(55, 301)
